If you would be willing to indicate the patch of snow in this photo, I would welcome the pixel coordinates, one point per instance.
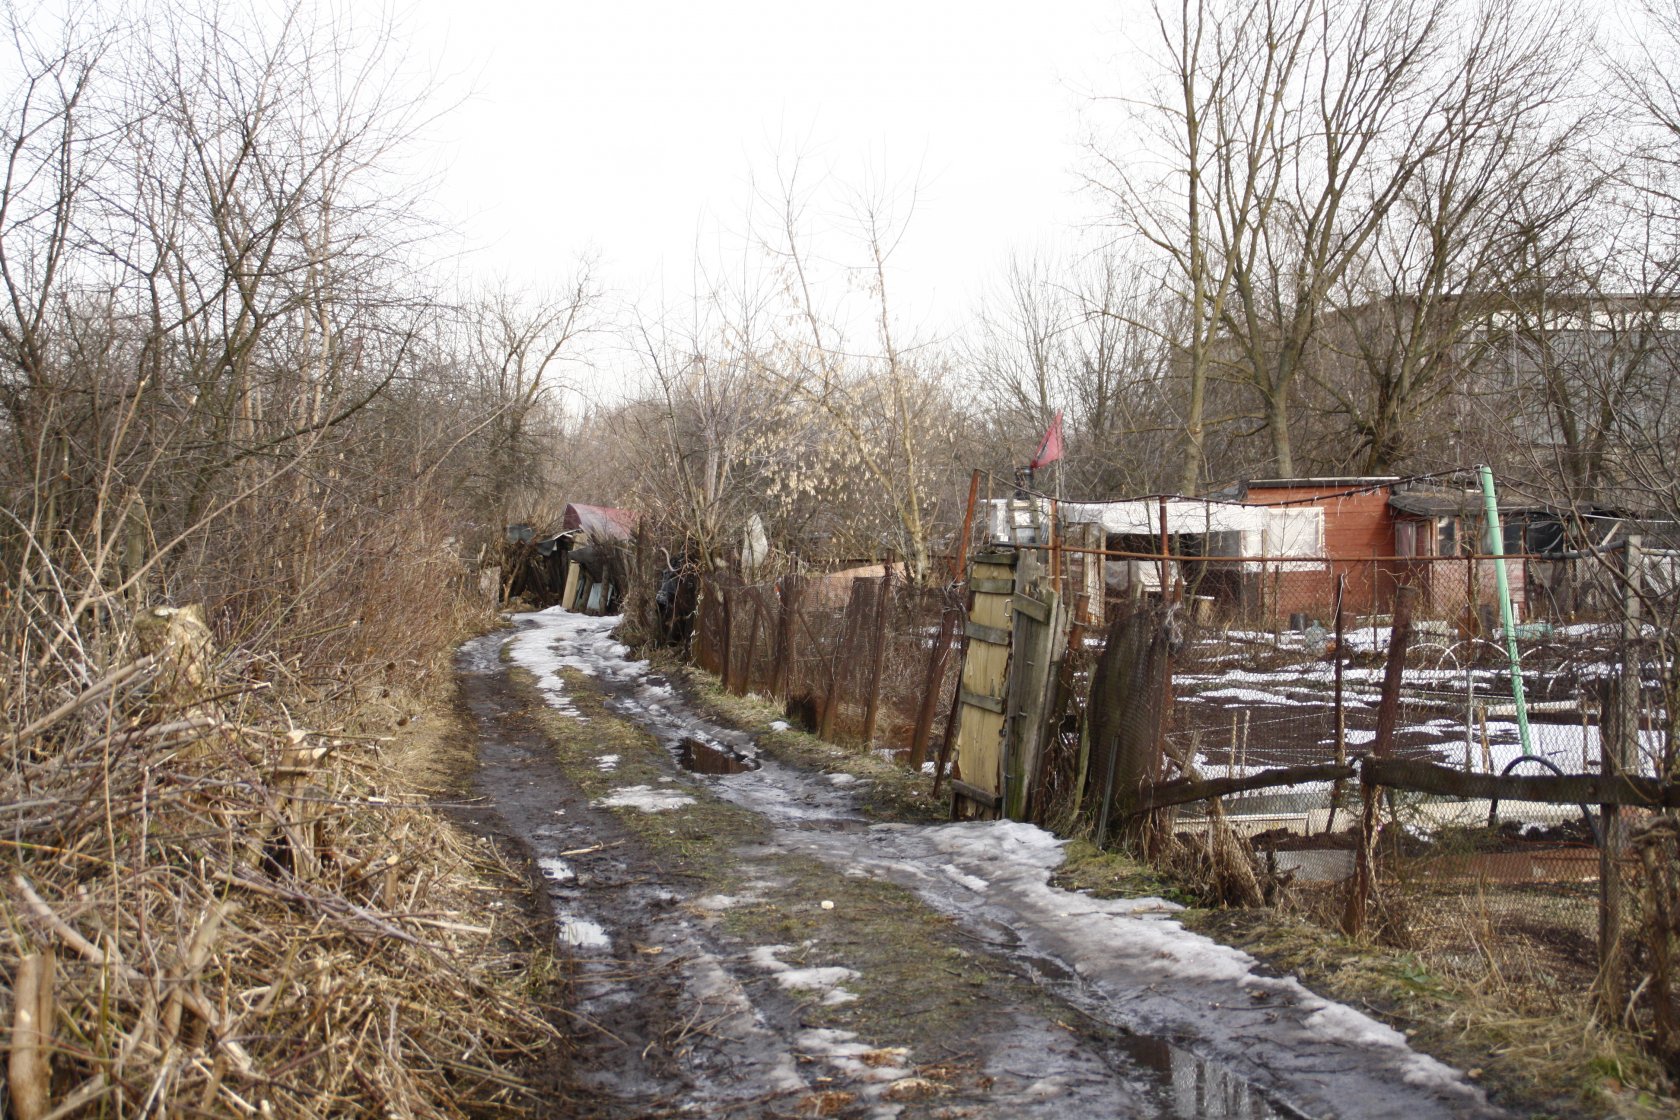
(556, 639)
(1338, 1021)
(557, 870)
(1247, 696)
(645, 798)
(779, 725)
(816, 979)
(607, 763)
(822, 979)
(580, 933)
(1133, 957)
(716, 989)
(972, 882)
(858, 1060)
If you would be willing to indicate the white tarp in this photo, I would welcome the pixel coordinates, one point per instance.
(1142, 516)
(1232, 528)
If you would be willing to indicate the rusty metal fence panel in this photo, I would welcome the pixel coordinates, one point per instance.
(858, 660)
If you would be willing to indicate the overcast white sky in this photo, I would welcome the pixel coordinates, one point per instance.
(635, 128)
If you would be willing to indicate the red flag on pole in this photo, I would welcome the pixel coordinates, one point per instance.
(1051, 448)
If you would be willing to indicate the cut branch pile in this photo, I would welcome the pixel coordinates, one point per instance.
(208, 910)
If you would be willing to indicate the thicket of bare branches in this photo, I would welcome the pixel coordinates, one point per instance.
(232, 409)
(1336, 238)
(792, 408)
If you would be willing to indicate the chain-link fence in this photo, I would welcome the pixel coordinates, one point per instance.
(1349, 741)
(1362, 772)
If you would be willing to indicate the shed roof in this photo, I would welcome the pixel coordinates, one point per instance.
(1455, 503)
(1319, 483)
(600, 522)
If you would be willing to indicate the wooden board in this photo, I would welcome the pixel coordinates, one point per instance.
(1040, 634)
(568, 597)
(985, 673)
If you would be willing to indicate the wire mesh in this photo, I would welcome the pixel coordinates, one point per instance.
(1506, 893)
(1246, 667)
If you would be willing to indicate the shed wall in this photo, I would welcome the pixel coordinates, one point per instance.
(1358, 537)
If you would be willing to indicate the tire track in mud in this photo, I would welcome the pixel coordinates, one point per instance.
(685, 1003)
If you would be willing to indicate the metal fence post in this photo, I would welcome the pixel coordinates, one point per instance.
(949, 620)
(1337, 790)
(883, 612)
(1618, 741)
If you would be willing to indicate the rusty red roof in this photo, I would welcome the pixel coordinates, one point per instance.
(600, 522)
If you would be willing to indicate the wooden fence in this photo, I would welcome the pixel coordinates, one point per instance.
(855, 659)
(1134, 720)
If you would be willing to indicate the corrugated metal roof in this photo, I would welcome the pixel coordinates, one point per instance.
(1454, 503)
(599, 522)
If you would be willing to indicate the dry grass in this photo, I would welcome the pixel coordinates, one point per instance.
(219, 902)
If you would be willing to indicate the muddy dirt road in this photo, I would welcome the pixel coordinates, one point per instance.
(743, 942)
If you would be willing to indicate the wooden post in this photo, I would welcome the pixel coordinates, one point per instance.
(1039, 632)
(1388, 710)
(950, 738)
(959, 562)
(831, 699)
(1473, 601)
(1055, 550)
(1618, 744)
(845, 648)
(949, 620)
(883, 612)
(1165, 548)
(725, 615)
(1128, 711)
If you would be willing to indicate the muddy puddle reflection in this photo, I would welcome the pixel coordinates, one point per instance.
(1187, 1086)
(701, 757)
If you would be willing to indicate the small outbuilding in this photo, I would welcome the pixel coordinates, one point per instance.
(596, 546)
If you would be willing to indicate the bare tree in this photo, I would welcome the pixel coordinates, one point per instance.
(1340, 175)
(1212, 124)
(1095, 339)
(881, 398)
(515, 344)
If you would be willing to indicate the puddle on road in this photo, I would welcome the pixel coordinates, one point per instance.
(704, 758)
(1194, 1087)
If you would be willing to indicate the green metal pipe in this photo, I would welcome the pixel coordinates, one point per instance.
(1496, 547)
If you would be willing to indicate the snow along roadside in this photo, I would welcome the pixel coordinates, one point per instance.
(1136, 968)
